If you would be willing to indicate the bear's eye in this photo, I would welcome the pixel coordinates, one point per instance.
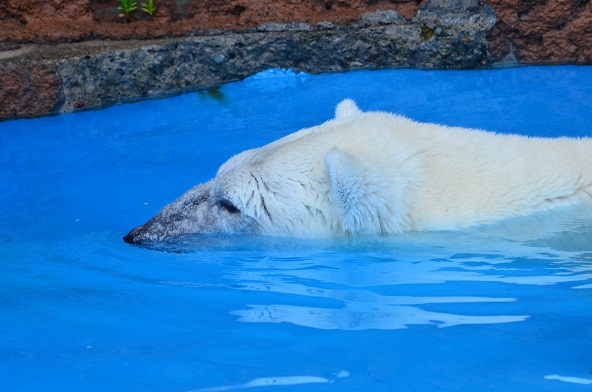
(228, 206)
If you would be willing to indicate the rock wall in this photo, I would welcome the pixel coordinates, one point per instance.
(51, 21)
(63, 55)
(95, 74)
(542, 31)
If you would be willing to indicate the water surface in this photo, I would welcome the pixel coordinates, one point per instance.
(497, 308)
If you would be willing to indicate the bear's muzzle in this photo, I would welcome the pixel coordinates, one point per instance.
(132, 236)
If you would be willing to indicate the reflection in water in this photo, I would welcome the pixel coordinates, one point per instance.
(276, 382)
(352, 318)
(377, 284)
(357, 309)
(477, 276)
(572, 380)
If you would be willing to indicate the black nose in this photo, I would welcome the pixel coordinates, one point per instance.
(131, 237)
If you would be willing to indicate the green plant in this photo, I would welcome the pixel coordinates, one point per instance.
(149, 8)
(127, 6)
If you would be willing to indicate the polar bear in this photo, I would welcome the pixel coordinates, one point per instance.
(375, 172)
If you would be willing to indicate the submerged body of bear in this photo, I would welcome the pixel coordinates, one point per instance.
(374, 172)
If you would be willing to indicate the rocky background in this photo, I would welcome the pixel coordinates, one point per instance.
(64, 55)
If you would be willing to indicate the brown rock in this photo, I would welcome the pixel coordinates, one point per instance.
(51, 21)
(28, 11)
(27, 89)
(528, 32)
(542, 31)
(535, 31)
(95, 74)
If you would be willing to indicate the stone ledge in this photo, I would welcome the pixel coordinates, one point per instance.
(37, 80)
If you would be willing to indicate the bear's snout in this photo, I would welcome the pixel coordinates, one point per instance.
(130, 238)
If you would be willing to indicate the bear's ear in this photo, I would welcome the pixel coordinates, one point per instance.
(354, 192)
(347, 109)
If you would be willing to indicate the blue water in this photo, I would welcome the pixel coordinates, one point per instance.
(506, 307)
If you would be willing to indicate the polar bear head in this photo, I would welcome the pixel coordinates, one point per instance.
(312, 183)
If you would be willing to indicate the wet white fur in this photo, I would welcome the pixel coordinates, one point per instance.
(374, 172)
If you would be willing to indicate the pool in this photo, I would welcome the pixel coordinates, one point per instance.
(497, 308)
